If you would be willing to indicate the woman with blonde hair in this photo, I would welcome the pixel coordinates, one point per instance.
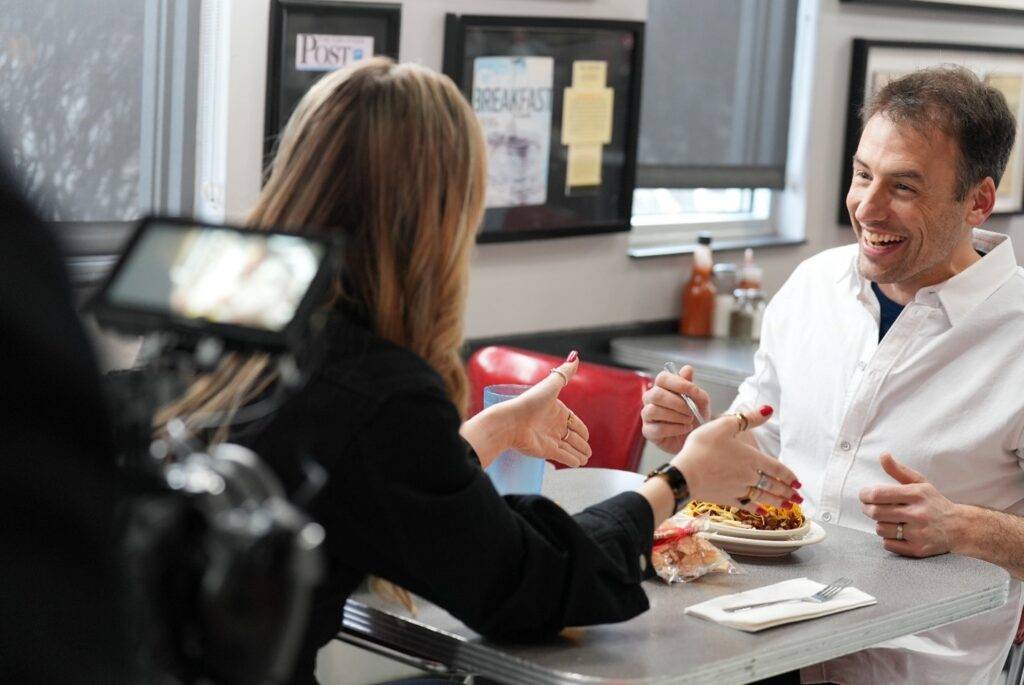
(391, 156)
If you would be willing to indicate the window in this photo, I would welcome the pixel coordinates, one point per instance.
(714, 121)
(97, 114)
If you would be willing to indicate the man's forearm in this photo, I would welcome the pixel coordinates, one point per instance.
(991, 536)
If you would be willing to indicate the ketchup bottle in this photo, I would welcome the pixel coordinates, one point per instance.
(699, 293)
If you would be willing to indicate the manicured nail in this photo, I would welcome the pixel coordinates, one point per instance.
(797, 498)
(766, 410)
(761, 510)
(796, 485)
(787, 505)
(573, 356)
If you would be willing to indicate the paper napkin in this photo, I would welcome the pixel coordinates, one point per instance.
(753, 620)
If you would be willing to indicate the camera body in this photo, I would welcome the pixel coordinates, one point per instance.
(221, 564)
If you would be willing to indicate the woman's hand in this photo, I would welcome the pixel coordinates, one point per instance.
(541, 426)
(536, 423)
(721, 467)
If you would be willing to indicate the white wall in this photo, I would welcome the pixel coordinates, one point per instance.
(589, 281)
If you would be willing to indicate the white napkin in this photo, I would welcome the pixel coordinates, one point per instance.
(753, 620)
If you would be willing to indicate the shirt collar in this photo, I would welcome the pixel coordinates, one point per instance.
(967, 289)
(963, 292)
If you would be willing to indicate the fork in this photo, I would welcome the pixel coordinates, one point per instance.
(671, 368)
(823, 595)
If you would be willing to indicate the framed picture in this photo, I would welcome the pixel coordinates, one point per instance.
(875, 63)
(559, 102)
(989, 6)
(309, 38)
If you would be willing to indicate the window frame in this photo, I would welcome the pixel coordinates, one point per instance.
(661, 235)
(167, 146)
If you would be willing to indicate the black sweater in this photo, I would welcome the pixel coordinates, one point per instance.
(406, 501)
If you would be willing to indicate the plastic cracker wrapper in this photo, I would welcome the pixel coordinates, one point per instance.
(680, 554)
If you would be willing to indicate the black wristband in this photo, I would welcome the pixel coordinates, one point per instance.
(676, 481)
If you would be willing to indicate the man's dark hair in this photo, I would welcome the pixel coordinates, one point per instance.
(952, 98)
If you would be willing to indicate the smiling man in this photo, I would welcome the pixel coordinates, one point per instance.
(896, 365)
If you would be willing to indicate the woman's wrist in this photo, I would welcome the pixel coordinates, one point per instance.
(489, 433)
(681, 463)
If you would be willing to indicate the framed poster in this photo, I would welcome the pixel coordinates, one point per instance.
(309, 38)
(559, 102)
(875, 63)
(989, 6)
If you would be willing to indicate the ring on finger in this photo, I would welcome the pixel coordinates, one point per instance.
(899, 531)
(742, 419)
(763, 481)
(568, 427)
(745, 500)
(565, 379)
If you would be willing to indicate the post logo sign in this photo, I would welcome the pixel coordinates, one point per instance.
(324, 52)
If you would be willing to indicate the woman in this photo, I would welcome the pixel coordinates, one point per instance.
(392, 157)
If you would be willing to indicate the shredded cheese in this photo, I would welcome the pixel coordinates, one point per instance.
(773, 517)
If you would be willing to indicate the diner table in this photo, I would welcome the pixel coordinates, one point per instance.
(664, 645)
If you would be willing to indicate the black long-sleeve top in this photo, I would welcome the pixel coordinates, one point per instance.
(406, 501)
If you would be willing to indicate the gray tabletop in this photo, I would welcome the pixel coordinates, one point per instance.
(666, 646)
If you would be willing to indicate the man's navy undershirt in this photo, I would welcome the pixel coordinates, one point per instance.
(890, 311)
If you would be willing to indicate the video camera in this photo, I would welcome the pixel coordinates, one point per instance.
(221, 564)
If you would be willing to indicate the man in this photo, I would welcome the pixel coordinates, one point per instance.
(896, 364)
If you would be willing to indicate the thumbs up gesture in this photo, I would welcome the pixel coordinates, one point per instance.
(913, 518)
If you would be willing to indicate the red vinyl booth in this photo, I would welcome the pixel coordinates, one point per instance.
(606, 398)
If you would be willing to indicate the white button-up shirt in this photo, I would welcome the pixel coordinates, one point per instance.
(943, 392)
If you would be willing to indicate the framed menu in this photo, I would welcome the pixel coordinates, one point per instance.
(558, 100)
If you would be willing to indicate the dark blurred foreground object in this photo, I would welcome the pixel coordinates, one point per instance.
(221, 566)
(59, 614)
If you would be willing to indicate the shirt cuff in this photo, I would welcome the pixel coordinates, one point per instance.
(633, 513)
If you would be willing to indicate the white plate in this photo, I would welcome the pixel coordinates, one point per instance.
(764, 548)
(737, 532)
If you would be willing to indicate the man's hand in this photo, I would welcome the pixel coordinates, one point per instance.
(929, 519)
(667, 420)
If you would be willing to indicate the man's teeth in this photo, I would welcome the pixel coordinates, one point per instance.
(881, 238)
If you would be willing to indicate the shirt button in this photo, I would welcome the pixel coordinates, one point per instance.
(844, 446)
(861, 365)
(826, 517)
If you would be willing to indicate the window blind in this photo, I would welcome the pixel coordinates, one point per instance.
(716, 92)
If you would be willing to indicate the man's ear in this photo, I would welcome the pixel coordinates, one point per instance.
(981, 201)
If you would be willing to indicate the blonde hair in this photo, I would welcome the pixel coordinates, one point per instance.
(392, 157)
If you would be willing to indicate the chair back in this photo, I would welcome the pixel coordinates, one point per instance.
(606, 398)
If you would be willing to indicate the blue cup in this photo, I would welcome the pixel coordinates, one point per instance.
(513, 473)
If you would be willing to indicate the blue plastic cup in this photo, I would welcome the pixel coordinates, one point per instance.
(513, 473)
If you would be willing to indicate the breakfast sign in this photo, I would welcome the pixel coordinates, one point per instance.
(310, 38)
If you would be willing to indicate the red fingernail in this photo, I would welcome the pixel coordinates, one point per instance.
(573, 356)
(762, 511)
(796, 485)
(787, 505)
(766, 410)
(797, 498)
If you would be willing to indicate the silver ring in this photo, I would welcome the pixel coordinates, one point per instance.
(899, 531)
(762, 482)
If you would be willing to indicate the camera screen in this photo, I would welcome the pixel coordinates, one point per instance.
(224, 276)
